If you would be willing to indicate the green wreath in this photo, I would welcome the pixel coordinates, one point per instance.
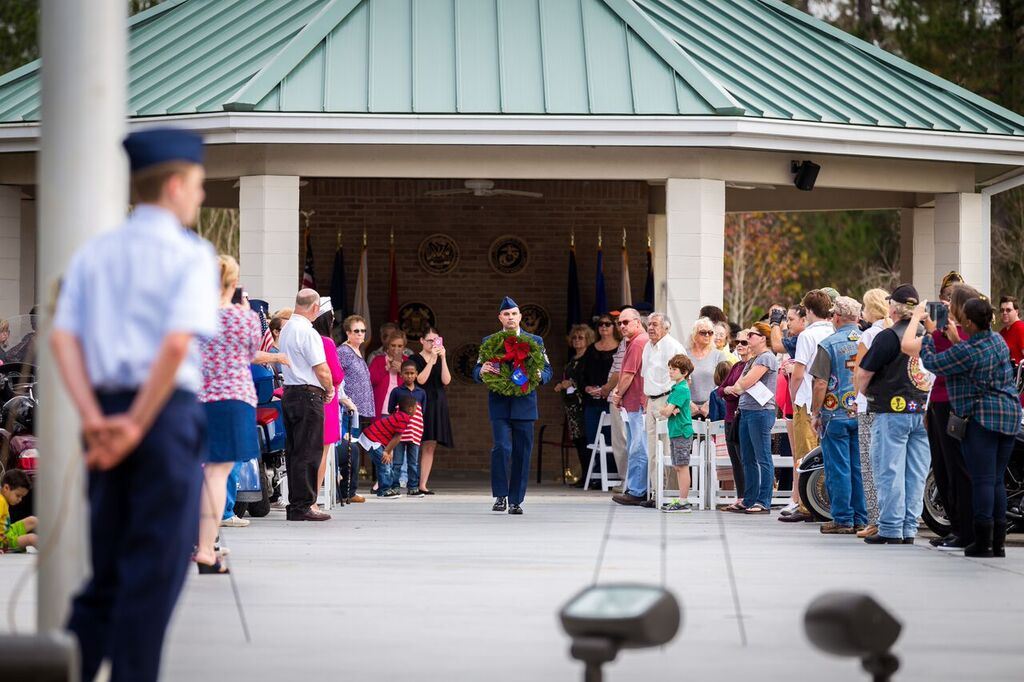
(520, 352)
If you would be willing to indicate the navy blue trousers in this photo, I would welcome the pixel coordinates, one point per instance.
(144, 517)
(510, 458)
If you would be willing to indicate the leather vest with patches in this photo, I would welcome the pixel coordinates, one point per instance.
(901, 387)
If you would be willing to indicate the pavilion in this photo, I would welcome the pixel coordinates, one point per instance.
(634, 119)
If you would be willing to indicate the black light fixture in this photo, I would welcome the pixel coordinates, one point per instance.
(853, 624)
(603, 619)
(806, 172)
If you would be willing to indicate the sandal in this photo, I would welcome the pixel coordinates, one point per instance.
(216, 568)
(758, 508)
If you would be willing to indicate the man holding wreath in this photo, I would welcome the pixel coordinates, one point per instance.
(512, 363)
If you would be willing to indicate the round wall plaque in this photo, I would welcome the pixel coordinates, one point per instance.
(508, 255)
(535, 319)
(465, 358)
(438, 254)
(415, 319)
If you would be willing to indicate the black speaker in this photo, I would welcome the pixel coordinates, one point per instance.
(806, 173)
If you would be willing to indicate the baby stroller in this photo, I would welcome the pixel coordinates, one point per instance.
(271, 435)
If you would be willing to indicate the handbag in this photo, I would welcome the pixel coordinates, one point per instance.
(956, 427)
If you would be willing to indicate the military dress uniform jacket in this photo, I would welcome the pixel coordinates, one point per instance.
(524, 407)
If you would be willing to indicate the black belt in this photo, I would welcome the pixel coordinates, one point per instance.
(660, 395)
(315, 390)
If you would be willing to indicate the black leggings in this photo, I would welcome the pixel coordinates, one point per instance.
(732, 444)
(950, 472)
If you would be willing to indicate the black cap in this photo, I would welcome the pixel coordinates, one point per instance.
(905, 293)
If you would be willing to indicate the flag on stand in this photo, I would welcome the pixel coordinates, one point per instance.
(339, 290)
(600, 297)
(573, 314)
(627, 292)
(393, 288)
(649, 284)
(361, 304)
(308, 280)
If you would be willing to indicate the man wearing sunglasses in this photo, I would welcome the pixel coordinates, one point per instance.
(1013, 328)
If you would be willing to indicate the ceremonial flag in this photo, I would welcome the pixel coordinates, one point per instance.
(361, 305)
(649, 284)
(339, 290)
(308, 280)
(600, 297)
(627, 292)
(573, 314)
(393, 289)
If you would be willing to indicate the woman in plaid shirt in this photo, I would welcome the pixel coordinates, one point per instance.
(979, 378)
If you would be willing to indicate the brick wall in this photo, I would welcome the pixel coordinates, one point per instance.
(465, 301)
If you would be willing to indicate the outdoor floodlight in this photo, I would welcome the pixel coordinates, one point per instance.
(806, 173)
(853, 624)
(603, 619)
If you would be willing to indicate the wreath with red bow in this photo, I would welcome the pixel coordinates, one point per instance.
(521, 360)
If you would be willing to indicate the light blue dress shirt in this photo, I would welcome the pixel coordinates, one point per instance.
(127, 289)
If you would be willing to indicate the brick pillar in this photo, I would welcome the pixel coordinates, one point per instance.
(269, 237)
(695, 248)
(962, 242)
(10, 251)
(917, 250)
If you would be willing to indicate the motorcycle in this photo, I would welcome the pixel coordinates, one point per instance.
(814, 494)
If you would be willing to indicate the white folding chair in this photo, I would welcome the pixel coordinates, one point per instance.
(698, 466)
(600, 450)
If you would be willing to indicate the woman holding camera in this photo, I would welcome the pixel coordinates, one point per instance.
(982, 392)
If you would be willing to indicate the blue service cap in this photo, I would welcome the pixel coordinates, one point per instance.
(507, 303)
(159, 145)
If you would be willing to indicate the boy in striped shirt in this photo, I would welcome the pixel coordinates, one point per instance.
(408, 451)
(380, 439)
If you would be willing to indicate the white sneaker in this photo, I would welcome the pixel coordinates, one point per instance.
(234, 522)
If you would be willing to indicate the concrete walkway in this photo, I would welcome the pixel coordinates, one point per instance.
(442, 589)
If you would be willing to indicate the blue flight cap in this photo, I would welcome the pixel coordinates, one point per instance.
(159, 145)
(507, 303)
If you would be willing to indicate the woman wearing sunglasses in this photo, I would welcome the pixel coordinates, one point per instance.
(358, 397)
(705, 357)
(756, 422)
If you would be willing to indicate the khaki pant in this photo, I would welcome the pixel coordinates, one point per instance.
(620, 451)
(804, 440)
(654, 406)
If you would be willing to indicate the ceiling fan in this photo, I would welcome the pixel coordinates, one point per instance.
(481, 188)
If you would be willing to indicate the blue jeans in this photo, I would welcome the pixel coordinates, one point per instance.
(229, 502)
(385, 472)
(900, 457)
(841, 448)
(636, 462)
(407, 458)
(756, 455)
(986, 454)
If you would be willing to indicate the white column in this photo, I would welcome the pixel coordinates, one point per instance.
(917, 250)
(10, 251)
(83, 189)
(29, 237)
(695, 249)
(962, 242)
(269, 237)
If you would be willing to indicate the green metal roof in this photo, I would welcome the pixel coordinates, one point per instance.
(752, 58)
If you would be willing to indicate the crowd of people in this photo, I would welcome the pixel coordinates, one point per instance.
(885, 390)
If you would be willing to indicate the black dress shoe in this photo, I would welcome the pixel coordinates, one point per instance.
(500, 504)
(515, 509)
(309, 515)
(882, 540)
